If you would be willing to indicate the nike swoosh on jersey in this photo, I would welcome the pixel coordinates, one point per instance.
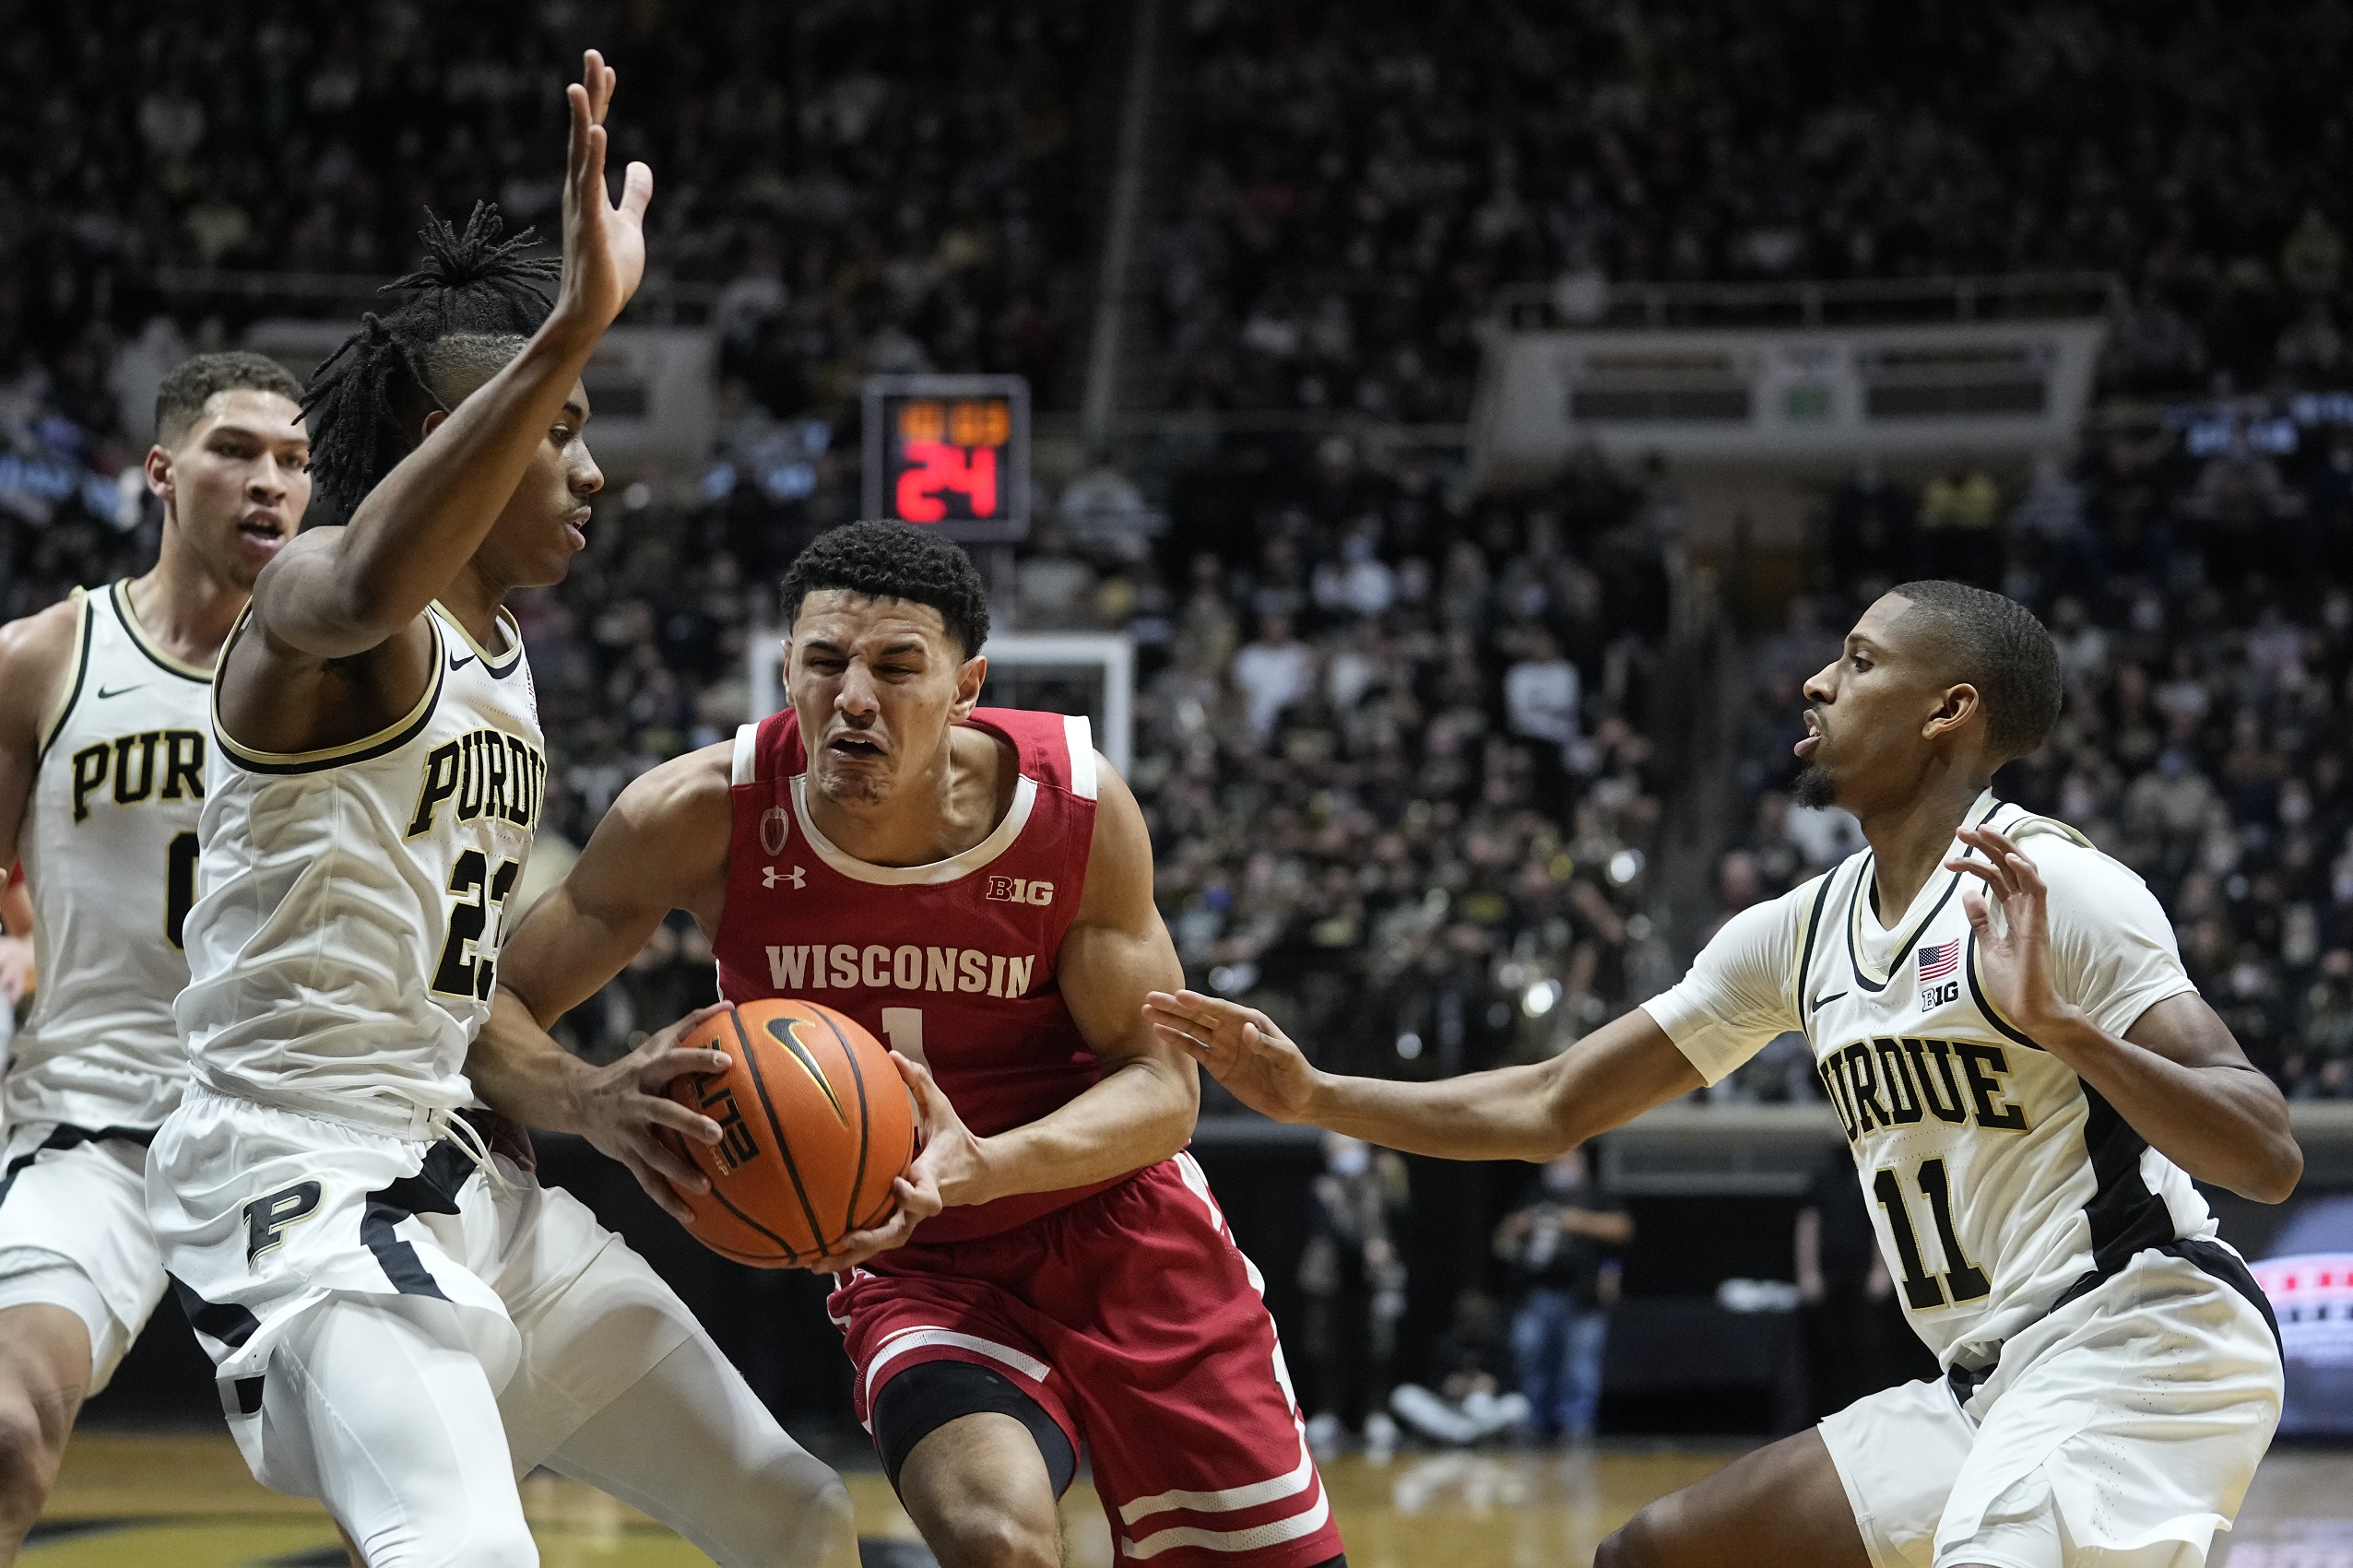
(461, 664)
(1820, 1002)
(104, 693)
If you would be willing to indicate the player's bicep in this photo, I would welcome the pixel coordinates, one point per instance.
(34, 653)
(2186, 1031)
(662, 846)
(1117, 949)
(1628, 1065)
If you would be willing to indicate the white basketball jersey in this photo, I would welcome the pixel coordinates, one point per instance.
(343, 944)
(110, 853)
(1997, 1179)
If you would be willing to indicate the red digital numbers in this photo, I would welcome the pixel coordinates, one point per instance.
(935, 469)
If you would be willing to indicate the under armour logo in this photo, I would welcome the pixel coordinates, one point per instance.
(769, 877)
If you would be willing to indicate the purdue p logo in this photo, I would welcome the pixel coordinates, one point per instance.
(266, 1218)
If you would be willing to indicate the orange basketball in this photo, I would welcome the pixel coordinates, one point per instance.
(817, 1123)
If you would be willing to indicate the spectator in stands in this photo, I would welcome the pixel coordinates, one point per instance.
(1473, 1398)
(1273, 670)
(1354, 1283)
(1564, 1247)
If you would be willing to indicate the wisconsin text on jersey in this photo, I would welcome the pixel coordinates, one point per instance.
(844, 967)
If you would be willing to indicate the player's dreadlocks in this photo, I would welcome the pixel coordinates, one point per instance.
(469, 310)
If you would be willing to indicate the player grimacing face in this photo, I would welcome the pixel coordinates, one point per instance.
(237, 482)
(877, 684)
(1878, 714)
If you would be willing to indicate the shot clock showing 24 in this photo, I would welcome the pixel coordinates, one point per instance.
(951, 451)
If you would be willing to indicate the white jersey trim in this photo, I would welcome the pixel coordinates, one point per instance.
(498, 664)
(1080, 736)
(62, 709)
(128, 614)
(746, 767)
(937, 871)
(390, 738)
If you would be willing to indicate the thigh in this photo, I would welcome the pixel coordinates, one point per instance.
(397, 1432)
(1781, 1506)
(691, 1445)
(979, 1490)
(74, 1234)
(1180, 1383)
(592, 1317)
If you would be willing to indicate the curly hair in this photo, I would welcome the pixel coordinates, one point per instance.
(1996, 644)
(471, 307)
(192, 383)
(893, 560)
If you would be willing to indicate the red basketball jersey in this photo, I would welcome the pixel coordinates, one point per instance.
(951, 964)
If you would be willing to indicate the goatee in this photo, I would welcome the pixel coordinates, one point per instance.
(1813, 787)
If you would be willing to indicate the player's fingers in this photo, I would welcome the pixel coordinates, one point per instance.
(659, 1190)
(592, 79)
(656, 1072)
(665, 1157)
(1994, 876)
(636, 191)
(1179, 1038)
(663, 1110)
(575, 99)
(1980, 919)
(919, 1198)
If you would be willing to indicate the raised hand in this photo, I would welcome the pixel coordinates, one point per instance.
(1240, 1047)
(2015, 961)
(604, 245)
(628, 1114)
(948, 1150)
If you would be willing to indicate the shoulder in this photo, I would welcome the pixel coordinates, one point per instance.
(680, 808)
(1120, 867)
(2091, 892)
(35, 655)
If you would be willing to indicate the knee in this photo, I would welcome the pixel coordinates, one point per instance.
(994, 1538)
(1632, 1545)
(31, 1439)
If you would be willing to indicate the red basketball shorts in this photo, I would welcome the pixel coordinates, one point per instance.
(1134, 1321)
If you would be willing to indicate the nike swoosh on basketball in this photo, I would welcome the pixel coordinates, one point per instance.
(461, 664)
(104, 693)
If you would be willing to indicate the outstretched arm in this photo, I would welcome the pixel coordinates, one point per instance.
(337, 592)
(2177, 1075)
(662, 846)
(1533, 1112)
(1141, 1110)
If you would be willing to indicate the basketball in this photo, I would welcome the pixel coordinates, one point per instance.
(816, 1123)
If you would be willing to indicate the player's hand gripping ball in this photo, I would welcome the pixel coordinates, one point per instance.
(815, 1125)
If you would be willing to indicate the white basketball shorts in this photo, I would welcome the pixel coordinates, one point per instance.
(2122, 1429)
(264, 1213)
(74, 1234)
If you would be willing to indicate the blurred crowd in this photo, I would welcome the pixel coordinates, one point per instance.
(2205, 622)
(844, 186)
(1360, 177)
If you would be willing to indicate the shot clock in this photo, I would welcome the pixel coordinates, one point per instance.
(950, 451)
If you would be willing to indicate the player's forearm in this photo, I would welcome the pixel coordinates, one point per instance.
(519, 1070)
(2227, 1124)
(1504, 1114)
(1138, 1113)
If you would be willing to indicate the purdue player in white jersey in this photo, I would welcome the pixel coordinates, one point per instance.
(105, 728)
(401, 1319)
(2029, 1083)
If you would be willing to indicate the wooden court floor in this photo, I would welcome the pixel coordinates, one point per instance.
(185, 1501)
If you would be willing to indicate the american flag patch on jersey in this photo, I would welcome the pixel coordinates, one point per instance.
(1938, 961)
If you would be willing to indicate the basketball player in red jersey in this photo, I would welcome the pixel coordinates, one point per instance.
(974, 886)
